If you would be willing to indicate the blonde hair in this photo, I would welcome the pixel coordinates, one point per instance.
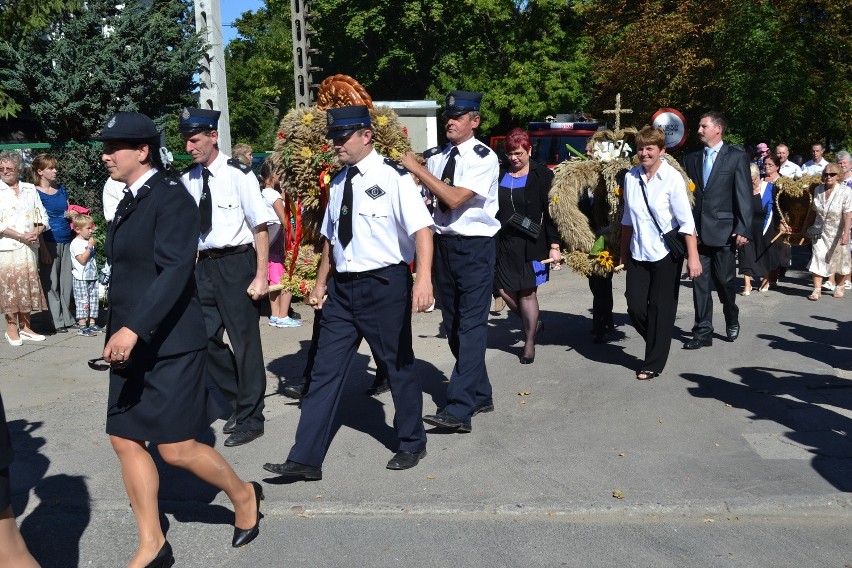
(79, 220)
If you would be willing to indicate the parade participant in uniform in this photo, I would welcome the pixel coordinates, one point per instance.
(231, 273)
(463, 177)
(156, 345)
(374, 223)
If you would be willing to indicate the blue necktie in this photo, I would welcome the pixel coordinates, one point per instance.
(708, 163)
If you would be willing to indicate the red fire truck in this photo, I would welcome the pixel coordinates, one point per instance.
(557, 139)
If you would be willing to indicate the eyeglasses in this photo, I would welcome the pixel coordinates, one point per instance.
(101, 364)
(829, 174)
(7, 169)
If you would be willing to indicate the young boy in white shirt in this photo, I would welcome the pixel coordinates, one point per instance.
(84, 269)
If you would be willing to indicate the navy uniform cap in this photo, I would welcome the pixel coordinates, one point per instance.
(344, 121)
(197, 119)
(461, 102)
(129, 126)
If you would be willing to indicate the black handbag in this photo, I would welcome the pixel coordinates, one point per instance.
(524, 225)
(673, 239)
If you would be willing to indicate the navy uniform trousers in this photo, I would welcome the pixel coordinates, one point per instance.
(464, 276)
(378, 309)
(240, 374)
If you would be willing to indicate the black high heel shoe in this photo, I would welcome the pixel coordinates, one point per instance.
(244, 536)
(164, 559)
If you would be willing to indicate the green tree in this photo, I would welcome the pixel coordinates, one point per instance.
(259, 67)
(779, 69)
(524, 55)
(102, 58)
(17, 19)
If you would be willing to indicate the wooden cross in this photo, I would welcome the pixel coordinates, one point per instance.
(618, 111)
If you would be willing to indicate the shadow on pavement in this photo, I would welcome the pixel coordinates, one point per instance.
(55, 526)
(807, 404)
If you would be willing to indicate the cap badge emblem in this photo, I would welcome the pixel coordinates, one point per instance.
(451, 101)
(111, 122)
(185, 114)
(330, 119)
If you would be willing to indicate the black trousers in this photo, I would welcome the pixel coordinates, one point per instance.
(652, 292)
(379, 312)
(601, 287)
(464, 276)
(719, 265)
(239, 373)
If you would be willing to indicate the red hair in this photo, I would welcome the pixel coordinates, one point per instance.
(517, 138)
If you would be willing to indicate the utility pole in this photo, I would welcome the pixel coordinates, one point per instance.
(214, 84)
(303, 53)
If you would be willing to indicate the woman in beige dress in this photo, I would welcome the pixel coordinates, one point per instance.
(22, 218)
(831, 211)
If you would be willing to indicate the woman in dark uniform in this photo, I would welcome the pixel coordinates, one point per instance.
(156, 340)
(523, 190)
(13, 550)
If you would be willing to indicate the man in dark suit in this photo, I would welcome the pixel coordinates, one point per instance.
(722, 218)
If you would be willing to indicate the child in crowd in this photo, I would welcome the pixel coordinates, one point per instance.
(84, 269)
(279, 300)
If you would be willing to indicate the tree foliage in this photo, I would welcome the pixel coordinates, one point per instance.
(777, 68)
(523, 55)
(17, 19)
(95, 60)
(105, 58)
(259, 66)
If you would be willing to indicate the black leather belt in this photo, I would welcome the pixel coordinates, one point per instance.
(376, 274)
(220, 252)
(459, 237)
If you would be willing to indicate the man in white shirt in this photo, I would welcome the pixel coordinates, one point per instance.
(463, 177)
(818, 163)
(787, 168)
(233, 255)
(375, 222)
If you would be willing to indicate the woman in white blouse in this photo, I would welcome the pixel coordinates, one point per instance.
(22, 218)
(655, 195)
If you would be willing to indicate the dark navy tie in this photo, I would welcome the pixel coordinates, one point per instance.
(344, 229)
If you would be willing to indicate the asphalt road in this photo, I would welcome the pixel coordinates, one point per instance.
(738, 455)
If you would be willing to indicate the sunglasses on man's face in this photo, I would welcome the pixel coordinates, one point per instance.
(101, 364)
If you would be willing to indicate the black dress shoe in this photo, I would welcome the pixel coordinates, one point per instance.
(61, 330)
(380, 386)
(244, 536)
(698, 343)
(482, 409)
(733, 331)
(405, 460)
(294, 470)
(296, 390)
(164, 559)
(446, 420)
(231, 425)
(243, 437)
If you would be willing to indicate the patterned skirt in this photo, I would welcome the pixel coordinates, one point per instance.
(20, 287)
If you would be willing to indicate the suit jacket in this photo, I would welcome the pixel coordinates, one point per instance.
(725, 205)
(536, 201)
(151, 246)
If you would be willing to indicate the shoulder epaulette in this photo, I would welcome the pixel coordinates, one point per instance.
(233, 162)
(400, 169)
(431, 152)
(481, 150)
